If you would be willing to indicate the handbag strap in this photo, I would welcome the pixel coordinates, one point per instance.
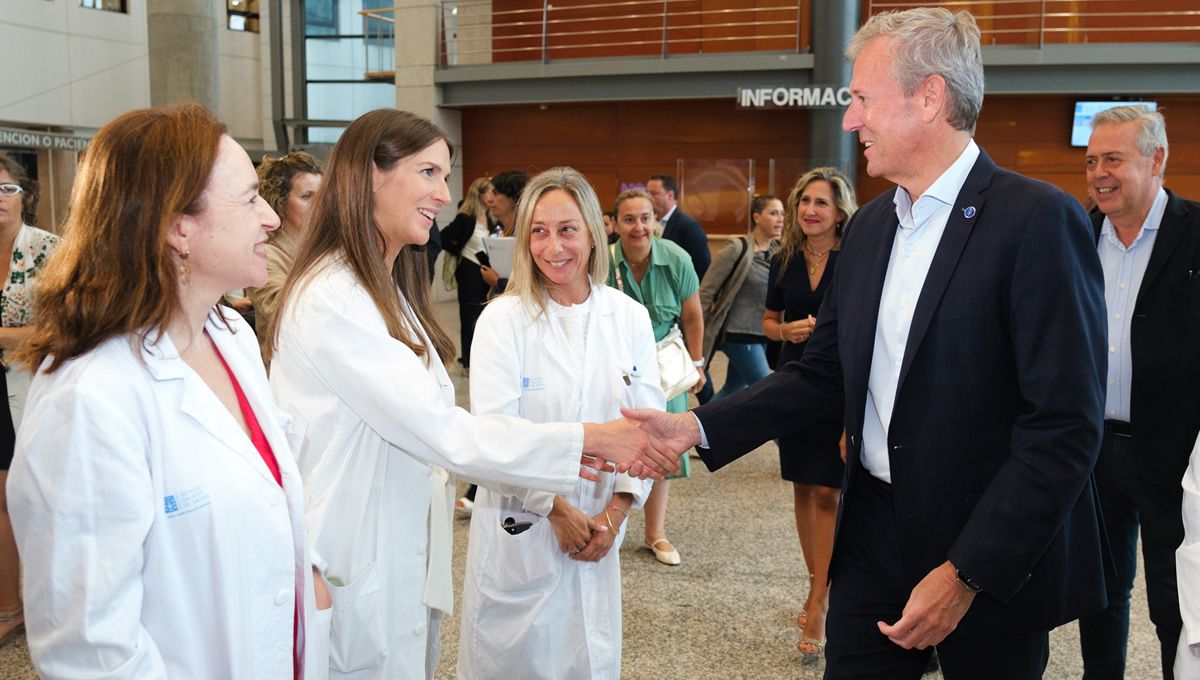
(734, 268)
(612, 249)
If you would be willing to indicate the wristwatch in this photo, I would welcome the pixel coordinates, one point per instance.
(698, 363)
(966, 582)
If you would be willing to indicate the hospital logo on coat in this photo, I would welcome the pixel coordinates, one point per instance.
(184, 502)
(533, 383)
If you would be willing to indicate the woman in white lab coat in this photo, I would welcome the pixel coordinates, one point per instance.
(359, 356)
(559, 345)
(154, 497)
(1187, 567)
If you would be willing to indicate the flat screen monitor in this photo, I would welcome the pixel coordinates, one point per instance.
(1081, 127)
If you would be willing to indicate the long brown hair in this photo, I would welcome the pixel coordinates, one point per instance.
(342, 222)
(844, 200)
(114, 274)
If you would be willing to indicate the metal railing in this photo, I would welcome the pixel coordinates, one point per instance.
(379, 43)
(1041, 22)
(487, 31)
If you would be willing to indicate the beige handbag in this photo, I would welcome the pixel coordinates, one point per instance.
(676, 372)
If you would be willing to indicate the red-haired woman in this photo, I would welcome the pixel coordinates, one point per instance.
(155, 500)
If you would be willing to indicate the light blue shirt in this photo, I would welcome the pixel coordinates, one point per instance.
(1123, 271)
(921, 227)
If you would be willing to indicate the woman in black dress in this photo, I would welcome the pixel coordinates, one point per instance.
(817, 211)
(463, 238)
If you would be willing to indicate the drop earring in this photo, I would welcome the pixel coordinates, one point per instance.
(184, 270)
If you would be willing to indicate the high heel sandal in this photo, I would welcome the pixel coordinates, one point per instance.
(802, 619)
(811, 650)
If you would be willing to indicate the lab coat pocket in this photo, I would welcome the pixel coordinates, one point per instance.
(356, 641)
(528, 561)
(316, 646)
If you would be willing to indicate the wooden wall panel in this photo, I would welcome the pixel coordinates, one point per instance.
(586, 29)
(1032, 135)
(1014, 22)
(617, 142)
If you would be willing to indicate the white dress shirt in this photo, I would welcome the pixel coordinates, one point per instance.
(921, 227)
(1124, 268)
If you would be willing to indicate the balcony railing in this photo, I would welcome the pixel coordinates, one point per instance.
(1041, 22)
(492, 31)
(379, 43)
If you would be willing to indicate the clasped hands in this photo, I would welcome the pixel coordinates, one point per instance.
(582, 538)
(646, 443)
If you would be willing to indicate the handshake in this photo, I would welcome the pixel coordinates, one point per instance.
(646, 443)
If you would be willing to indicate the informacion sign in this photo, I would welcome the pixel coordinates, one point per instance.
(811, 97)
(33, 139)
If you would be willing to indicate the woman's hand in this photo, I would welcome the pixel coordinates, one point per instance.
(798, 331)
(321, 591)
(490, 277)
(700, 384)
(573, 528)
(612, 516)
(601, 541)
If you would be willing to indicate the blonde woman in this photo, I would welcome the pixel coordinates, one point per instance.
(558, 346)
(820, 204)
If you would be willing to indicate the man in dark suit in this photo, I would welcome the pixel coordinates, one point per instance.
(1149, 245)
(678, 226)
(963, 335)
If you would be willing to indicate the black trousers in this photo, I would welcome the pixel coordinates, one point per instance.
(1127, 502)
(869, 585)
(472, 296)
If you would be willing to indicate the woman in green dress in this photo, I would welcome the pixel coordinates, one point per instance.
(658, 274)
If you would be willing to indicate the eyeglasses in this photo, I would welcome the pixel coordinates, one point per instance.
(11, 190)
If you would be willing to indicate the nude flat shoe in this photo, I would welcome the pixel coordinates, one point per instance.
(667, 557)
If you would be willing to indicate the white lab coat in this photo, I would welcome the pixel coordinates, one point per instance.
(155, 541)
(382, 431)
(1187, 566)
(529, 611)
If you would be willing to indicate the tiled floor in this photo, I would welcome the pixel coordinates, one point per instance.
(729, 610)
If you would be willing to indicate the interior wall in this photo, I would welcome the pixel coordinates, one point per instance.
(615, 142)
(623, 142)
(1031, 134)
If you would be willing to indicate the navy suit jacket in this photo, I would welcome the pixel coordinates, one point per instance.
(1165, 350)
(998, 415)
(687, 232)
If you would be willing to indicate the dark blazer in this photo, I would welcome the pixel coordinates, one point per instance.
(998, 415)
(456, 234)
(687, 232)
(1165, 349)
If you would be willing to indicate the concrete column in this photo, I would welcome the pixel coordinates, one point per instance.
(417, 28)
(833, 24)
(183, 51)
(416, 63)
